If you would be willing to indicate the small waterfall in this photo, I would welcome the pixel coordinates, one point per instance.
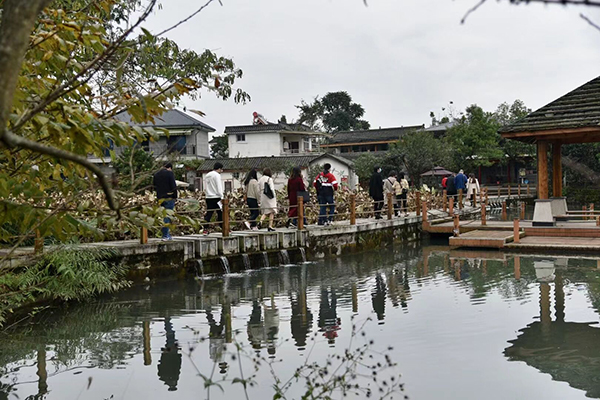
(284, 257)
(224, 264)
(265, 259)
(246, 260)
(303, 254)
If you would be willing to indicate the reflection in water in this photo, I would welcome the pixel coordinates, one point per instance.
(106, 335)
(378, 298)
(169, 366)
(329, 323)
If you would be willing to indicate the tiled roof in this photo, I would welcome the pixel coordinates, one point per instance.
(267, 128)
(372, 135)
(247, 163)
(354, 155)
(577, 109)
(443, 127)
(169, 119)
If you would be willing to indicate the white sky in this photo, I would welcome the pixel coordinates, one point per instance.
(400, 59)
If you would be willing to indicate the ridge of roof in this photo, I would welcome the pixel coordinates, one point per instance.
(172, 118)
(579, 108)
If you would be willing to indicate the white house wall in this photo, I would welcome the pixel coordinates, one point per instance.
(343, 173)
(256, 145)
(202, 147)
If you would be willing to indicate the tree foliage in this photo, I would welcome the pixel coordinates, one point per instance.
(507, 114)
(334, 112)
(68, 67)
(219, 147)
(417, 152)
(364, 166)
(134, 167)
(474, 139)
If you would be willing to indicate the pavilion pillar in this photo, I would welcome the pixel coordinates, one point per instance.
(556, 170)
(542, 169)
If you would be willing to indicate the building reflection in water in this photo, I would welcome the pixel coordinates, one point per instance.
(329, 323)
(378, 298)
(568, 351)
(169, 366)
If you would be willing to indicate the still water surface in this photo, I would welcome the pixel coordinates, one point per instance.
(462, 326)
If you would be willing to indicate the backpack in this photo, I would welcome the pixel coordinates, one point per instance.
(319, 183)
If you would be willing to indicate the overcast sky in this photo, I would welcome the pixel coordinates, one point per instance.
(400, 59)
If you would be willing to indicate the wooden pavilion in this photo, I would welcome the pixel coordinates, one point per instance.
(572, 118)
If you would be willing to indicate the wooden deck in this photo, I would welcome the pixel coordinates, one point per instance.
(495, 239)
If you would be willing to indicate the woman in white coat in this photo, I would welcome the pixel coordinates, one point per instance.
(472, 189)
(268, 199)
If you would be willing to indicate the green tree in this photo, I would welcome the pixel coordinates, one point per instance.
(68, 67)
(219, 147)
(334, 112)
(134, 167)
(417, 152)
(364, 166)
(474, 139)
(507, 114)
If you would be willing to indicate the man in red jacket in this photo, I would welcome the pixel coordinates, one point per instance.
(326, 185)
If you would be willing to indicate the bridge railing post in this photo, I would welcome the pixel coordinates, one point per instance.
(523, 210)
(504, 214)
(300, 213)
(143, 235)
(418, 203)
(226, 227)
(445, 200)
(456, 230)
(353, 209)
(483, 216)
(460, 199)
(390, 206)
(516, 231)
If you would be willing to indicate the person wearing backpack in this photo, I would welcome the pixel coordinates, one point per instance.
(326, 184)
(268, 200)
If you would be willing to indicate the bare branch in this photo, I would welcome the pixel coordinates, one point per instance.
(472, 10)
(188, 18)
(12, 140)
(589, 21)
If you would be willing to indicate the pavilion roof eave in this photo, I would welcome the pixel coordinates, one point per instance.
(588, 134)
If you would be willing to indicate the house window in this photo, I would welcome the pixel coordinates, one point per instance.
(176, 144)
(294, 147)
(306, 144)
(228, 186)
(240, 137)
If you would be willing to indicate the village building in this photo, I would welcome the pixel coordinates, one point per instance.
(187, 138)
(280, 147)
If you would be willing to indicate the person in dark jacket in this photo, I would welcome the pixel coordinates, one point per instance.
(376, 191)
(166, 190)
(326, 185)
(295, 185)
(451, 187)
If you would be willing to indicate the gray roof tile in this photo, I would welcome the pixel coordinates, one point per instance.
(169, 119)
(372, 135)
(579, 108)
(267, 128)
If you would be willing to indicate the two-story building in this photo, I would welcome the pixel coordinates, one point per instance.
(280, 147)
(271, 140)
(187, 138)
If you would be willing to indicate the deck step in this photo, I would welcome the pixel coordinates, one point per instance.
(493, 239)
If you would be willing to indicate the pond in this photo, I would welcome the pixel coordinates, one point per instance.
(454, 324)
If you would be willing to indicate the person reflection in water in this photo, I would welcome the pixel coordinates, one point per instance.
(272, 327)
(329, 323)
(216, 339)
(256, 327)
(169, 366)
(301, 320)
(378, 298)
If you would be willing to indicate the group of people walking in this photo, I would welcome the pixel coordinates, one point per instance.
(457, 182)
(379, 190)
(261, 198)
(259, 195)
